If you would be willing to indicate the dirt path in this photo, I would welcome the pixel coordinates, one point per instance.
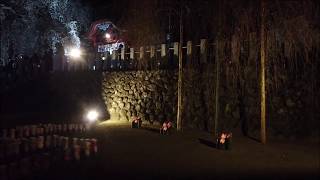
(145, 154)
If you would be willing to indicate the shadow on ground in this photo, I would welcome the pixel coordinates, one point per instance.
(151, 129)
(208, 143)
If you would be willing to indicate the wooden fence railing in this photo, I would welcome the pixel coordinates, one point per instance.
(163, 56)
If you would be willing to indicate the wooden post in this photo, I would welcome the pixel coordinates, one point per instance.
(163, 55)
(189, 53)
(203, 50)
(217, 94)
(122, 58)
(176, 53)
(104, 61)
(163, 50)
(262, 76)
(141, 57)
(131, 61)
(131, 53)
(176, 49)
(108, 59)
(123, 53)
(114, 59)
(114, 55)
(141, 53)
(152, 52)
(152, 56)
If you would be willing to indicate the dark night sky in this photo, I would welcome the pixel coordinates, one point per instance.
(106, 9)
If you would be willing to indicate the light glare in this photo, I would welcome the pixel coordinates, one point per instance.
(92, 115)
(75, 53)
(108, 36)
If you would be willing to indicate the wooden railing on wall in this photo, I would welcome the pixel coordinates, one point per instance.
(163, 56)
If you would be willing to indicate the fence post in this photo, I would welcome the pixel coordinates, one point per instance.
(141, 57)
(132, 62)
(122, 58)
(141, 52)
(114, 55)
(103, 59)
(176, 53)
(108, 60)
(163, 55)
(189, 52)
(203, 51)
(152, 56)
(114, 63)
(123, 52)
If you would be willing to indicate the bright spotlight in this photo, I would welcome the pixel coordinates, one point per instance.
(75, 53)
(108, 36)
(92, 115)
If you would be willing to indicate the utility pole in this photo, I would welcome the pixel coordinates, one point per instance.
(180, 73)
(262, 74)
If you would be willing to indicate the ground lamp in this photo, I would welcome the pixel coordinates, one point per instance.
(75, 53)
(92, 116)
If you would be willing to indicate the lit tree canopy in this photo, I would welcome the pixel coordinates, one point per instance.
(29, 26)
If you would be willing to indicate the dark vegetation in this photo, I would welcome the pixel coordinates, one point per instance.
(58, 97)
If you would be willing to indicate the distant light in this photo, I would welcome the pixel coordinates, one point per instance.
(75, 53)
(92, 115)
(108, 36)
(103, 58)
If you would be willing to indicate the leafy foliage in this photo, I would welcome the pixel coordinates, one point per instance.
(36, 26)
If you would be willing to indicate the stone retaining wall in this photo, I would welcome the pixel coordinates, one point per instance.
(152, 95)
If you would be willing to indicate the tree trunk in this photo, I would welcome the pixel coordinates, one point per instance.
(242, 105)
(179, 111)
(217, 88)
(262, 75)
